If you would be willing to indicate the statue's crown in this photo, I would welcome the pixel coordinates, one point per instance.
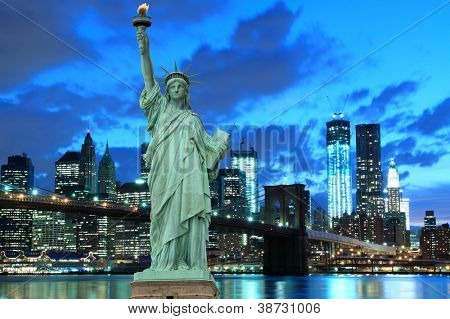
(176, 74)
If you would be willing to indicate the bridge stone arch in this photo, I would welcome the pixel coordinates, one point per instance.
(286, 255)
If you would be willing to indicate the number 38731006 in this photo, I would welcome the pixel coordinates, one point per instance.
(284, 307)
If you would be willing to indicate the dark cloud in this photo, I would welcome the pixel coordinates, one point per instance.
(433, 119)
(258, 62)
(389, 96)
(405, 153)
(358, 95)
(404, 175)
(423, 159)
(391, 149)
(27, 48)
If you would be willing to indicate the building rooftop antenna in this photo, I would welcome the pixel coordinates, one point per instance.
(345, 103)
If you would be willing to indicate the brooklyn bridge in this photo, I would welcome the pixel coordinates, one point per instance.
(287, 249)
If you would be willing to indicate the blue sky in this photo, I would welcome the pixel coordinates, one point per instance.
(266, 68)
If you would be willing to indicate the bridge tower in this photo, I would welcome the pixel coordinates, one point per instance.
(286, 206)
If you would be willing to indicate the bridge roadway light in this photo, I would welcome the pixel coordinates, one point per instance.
(53, 197)
(34, 192)
(144, 204)
(250, 219)
(139, 181)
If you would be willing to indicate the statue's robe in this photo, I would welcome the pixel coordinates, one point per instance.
(182, 159)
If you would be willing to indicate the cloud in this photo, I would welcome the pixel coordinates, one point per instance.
(389, 96)
(423, 159)
(405, 153)
(257, 62)
(358, 95)
(394, 148)
(29, 49)
(433, 119)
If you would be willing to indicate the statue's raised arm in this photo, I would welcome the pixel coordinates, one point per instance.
(142, 22)
(146, 61)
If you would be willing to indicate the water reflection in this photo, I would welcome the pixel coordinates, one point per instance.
(236, 286)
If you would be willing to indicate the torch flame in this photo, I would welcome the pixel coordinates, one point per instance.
(143, 9)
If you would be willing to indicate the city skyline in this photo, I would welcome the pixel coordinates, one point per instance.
(56, 103)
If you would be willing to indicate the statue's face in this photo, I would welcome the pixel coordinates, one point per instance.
(177, 90)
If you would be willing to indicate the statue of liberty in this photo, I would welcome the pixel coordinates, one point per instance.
(183, 159)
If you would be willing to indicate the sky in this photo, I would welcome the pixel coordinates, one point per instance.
(272, 73)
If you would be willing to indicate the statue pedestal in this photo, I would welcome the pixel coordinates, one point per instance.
(179, 284)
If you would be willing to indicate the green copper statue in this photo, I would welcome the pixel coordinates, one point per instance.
(183, 159)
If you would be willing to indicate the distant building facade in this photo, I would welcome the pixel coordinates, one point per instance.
(232, 192)
(435, 242)
(15, 229)
(430, 219)
(18, 174)
(134, 194)
(67, 175)
(48, 231)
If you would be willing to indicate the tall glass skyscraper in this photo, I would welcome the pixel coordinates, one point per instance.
(247, 161)
(338, 167)
(368, 170)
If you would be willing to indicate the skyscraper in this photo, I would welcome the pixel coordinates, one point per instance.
(338, 167)
(48, 231)
(435, 242)
(394, 218)
(369, 201)
(232, 192)
(15, 229)
(393, 188)
(368, 170)
(429, 220)
(144, 168)
(107, 175)
(67, 175)
(88, 170)
(18, 174)
(404, 207)
(247, 161)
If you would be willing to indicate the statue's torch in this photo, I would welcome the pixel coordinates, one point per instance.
(142, 20)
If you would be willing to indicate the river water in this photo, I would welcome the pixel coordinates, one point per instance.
(237, 286)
